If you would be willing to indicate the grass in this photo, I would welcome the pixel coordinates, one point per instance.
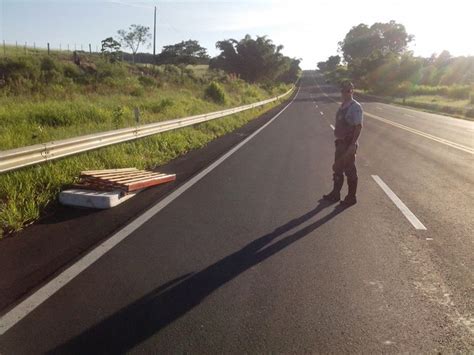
(27, 194)
(460, 108)
(45, 98)
(439, 104)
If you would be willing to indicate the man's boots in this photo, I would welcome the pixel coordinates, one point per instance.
(351, 195)
(335, 194)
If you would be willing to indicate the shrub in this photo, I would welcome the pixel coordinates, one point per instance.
(147, 81)
(18, 68)
(137, 92)
(459, 91)
(71, 71)
(117, 116)
(161, 106)
(470, 113)
(429, 90)
(216, 93)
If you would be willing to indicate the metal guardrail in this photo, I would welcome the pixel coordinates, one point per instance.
(39, 153)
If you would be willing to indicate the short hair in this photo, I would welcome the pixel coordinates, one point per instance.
(346, 84)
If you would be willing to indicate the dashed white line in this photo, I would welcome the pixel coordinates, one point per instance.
(321, 112)
(332, 127)
(20, 311)
(401, 206)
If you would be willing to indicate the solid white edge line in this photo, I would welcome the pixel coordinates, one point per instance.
(401, 206)
(25, 307)
(423, 134)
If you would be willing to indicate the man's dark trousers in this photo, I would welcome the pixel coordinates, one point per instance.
(344, 163)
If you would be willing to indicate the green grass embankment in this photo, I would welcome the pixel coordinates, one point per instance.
(48, 98)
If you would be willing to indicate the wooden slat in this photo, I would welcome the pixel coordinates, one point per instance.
(141, 185)
(142, 175)
(137, 178)
(107, 171)
(123, 181)
(120, 176)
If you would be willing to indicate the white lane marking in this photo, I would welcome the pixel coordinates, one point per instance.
(332, 127)
(29, 304)
(429, 238)
(423, 134)
(401, 206)
(321, 112)
(317, 106)
(406, 114)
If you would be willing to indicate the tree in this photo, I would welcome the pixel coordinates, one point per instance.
(134, 37)
(255, 60)
(380, 39)
(333, 62)
(185, 52)
(111, 49)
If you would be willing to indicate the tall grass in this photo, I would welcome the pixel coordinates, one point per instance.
(26, 194)
(49, 98)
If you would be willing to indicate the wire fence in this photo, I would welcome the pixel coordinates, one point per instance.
(31, 48)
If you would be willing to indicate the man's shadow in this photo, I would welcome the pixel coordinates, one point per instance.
(159, 308)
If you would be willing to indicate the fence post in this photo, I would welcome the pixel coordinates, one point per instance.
(34, 46)
(4, 48)
(25, 47)
(68, 47)
(136, 111)
(60, 47)
(90, 49)
(48, 48)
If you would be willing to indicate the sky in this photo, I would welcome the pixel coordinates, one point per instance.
(308, 29)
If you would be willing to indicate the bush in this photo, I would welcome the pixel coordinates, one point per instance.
(17, 68)
(470, 113)
(71, 71)
(137, 92)
(110, 70)
(459, 91)
(216, 93)
(161, 106)
(147, 81)
(429, 90)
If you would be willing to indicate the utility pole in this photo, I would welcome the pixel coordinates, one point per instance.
(154, 39)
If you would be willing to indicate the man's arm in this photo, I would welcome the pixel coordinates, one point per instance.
(357, 130)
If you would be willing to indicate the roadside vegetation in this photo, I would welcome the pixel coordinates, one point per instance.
(376, 59)
(49, 97)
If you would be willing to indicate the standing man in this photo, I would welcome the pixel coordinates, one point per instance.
(347, 132)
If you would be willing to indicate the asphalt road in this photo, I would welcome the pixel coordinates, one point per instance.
(249, 259)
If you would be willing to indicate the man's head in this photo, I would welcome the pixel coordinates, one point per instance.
(347, 90)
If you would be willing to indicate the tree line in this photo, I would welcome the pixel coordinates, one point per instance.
(253, 60)
(377, 59)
